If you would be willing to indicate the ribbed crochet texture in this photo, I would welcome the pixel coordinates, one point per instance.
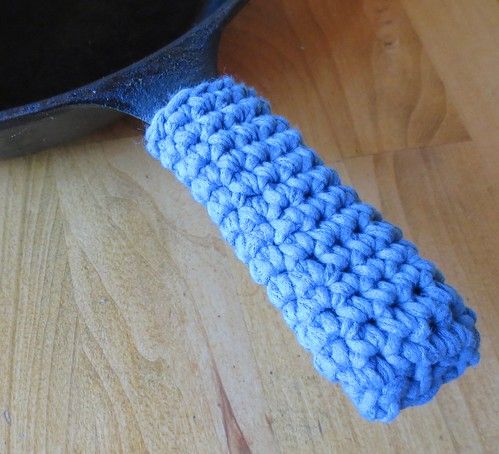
(376, 317)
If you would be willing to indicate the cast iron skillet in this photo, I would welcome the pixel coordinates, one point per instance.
(303, 234)
(81, 64)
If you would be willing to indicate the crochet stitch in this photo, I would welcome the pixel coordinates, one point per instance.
(376, 317)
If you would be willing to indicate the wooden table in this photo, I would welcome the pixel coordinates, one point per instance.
(127, 324)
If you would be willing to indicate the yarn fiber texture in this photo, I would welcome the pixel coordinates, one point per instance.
(376, 317)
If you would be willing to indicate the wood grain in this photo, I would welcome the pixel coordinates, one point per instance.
(129, 326)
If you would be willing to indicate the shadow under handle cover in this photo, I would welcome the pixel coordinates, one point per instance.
(376, 317)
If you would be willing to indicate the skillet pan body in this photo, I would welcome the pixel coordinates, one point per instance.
(84, 64)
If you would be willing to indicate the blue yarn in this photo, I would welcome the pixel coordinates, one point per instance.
(376, 317)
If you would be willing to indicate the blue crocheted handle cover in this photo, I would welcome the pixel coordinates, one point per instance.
(376, 317)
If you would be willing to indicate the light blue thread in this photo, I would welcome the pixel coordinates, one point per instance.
(376, 317)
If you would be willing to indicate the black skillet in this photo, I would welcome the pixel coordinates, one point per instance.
(70, 67)
(93, 53)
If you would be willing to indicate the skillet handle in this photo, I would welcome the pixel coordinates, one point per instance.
(376, 317)
(142, 89)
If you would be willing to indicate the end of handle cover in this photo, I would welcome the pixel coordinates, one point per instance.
(376, 317)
